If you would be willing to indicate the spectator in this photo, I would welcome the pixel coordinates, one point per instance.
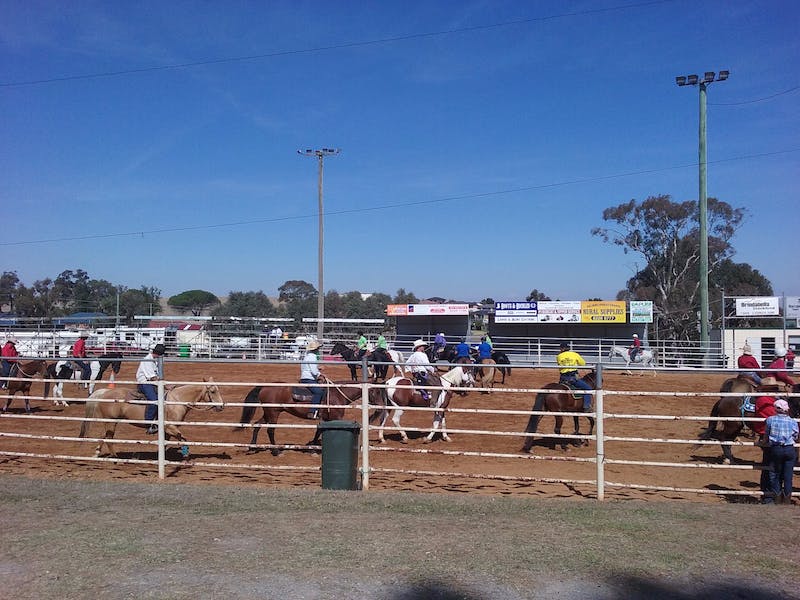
(781, 431)
(748, 361)
(150, 370)
(765, 408)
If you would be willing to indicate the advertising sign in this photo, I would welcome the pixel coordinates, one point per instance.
(559, 311)
(601, 311)
(792, 307)
(766, 306)
(641, 311)
(516, 312)
(437, 309)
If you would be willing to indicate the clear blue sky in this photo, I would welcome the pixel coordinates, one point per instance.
(497, 140)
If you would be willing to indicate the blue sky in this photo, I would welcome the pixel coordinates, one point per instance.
(497, 146)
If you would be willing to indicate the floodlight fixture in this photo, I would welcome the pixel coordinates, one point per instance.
(692, 79)
(723, 75)
(681, 80)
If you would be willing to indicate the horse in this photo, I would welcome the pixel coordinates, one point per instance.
(647, 358)
(348, 355)
(26, 370)
(733, 406)
(484, 374)
(501, 358)
(398, 362)
(400, 392)
(275, 400)
(559, 397)
(64, 369)
(446, 354)
(125, 404)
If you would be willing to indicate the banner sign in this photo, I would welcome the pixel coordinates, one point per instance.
(601, 311)
(516, 312)
(641, 311)
(766, 306)
(792, 307)
(411, 310)
(559, 311)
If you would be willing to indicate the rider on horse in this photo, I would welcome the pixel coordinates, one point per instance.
(462, 350)
(310, 374)
(635, 347)
(420, 367)
(569, 360)
(361, 346)
(439, 344)
(9, 359)
(748, 361)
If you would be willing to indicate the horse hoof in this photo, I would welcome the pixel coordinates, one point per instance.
(726, 461)
(403, 440)
(525, 450)
(275, 452)
(447, 439)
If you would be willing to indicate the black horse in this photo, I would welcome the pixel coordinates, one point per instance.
(501, 358)
(378, 361)
(446, 354)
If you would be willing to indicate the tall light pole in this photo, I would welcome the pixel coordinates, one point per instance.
(709, 77)
(320, 154)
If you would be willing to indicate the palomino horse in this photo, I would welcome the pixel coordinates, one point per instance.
(400, 392)
(275, 400)
(559, 398)
(484, 374)
(64, 369)
(125, 404)
(26, 370)
(733, 406)
(645, 357)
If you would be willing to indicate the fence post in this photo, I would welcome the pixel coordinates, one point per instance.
(161, 449)
(599, 433)
(365, 436)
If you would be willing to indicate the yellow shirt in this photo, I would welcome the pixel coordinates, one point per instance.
(570, 360)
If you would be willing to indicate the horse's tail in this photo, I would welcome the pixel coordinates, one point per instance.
(91, 406)
(250, 399)
(711, 430)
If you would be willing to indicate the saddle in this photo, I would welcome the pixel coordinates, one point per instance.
(302, 394)
(747, 378)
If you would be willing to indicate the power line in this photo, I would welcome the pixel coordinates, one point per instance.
(403, 204)
(341, 46)
(790, 90)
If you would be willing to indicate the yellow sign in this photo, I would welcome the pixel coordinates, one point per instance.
(594, 311)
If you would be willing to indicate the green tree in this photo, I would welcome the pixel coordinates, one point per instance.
(375, 306)
(246, 304)
(536, 295)
(9, 283)
(299, 299)
(72, 293)
(144, 301)
(195, 301)
(404, 297)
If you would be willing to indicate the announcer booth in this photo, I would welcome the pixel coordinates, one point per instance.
(426, 320)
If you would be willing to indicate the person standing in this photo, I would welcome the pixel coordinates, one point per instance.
(420, 366)
(635, 348)
(310, 374)
(781, 431)
(765, 408)
(150, 370)
(749, 362)
(9, 356)
(779, 363)
(569, 361)
(79, 351)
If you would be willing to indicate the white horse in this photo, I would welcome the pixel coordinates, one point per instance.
(646, 358)
(399, 362)
(400, 393)
(67, 370)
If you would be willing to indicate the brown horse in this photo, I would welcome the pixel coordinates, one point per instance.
(400, 393)
(559, 398)
(126, 404)
(26, 370)
(484, 374)
(733, 406)
(275, 400)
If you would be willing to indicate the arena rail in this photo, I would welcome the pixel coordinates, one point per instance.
(13, 442)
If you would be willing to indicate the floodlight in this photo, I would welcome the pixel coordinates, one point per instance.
(681, 80)
(691, 80)
(723, 75)
(708, 77)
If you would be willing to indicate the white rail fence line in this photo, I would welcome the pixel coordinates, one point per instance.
(601, 459)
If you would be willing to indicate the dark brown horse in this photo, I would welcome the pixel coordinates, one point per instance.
(559, 398)
(733, 406)
(275, 400)
(26, 370)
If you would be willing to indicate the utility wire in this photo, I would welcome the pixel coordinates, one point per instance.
(403, 204)
(790, 90)
(343, 45)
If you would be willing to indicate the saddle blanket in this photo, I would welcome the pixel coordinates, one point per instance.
(748, 405)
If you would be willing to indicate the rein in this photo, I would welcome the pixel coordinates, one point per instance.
(28, 375)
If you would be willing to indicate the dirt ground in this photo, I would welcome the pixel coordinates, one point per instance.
(439, 466)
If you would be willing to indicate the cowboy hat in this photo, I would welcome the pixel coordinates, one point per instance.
(635, 335)
(746, 349)
(418, 343)
(313, 345)
(158, 349)
(84, 333)
(780, 351)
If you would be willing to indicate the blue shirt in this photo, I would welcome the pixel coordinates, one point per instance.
(462, 350)
(781, 429)
(484, 350)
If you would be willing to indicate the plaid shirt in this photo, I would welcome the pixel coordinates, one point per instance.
(782, 430)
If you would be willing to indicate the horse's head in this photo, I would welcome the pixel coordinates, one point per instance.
(338, 348)
(213, 395)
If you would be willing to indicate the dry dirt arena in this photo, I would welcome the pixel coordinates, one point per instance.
(500, 467)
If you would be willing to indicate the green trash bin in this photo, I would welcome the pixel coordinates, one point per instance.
(339, 454)
(183, 351)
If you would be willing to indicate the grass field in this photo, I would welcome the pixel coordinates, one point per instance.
(84, 539)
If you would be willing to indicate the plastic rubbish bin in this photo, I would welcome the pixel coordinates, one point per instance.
(183, 351)
(339, 454)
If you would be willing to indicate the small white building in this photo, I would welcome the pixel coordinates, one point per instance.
(761, 341)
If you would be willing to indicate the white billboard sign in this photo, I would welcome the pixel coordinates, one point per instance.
(792, 307)
(641, 311)
(516, 312)
(766, 306)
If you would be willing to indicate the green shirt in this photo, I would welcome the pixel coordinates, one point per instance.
(362, 343)
(382, 343)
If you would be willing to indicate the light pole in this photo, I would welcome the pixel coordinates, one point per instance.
(709, 77)
(320, 154)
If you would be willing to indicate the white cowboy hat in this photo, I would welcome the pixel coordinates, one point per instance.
(780, 352)
(84, 333)
(418, 343)
(313, 346)
(746, 349)
(12, 340)
(635, 335)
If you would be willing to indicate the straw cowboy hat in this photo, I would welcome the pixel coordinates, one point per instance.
(418, 343)
(746, 349)
(313, 346)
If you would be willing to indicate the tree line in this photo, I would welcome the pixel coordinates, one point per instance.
(663, 233)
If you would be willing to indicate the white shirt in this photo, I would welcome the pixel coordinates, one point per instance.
(148, 369)
(418, 363)
(309, 368)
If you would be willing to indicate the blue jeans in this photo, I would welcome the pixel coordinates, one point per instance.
(86, 371)
(571, 379)
(752, 375)
(151, 393)
(782, 460)
(316, 392)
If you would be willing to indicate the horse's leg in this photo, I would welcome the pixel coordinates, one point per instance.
(271, 434)
(729, 432)
(576, 441)
(437, 420)
(396, 420)
(557, 431)
(254, 439)
(384, 415)
(111, 429)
